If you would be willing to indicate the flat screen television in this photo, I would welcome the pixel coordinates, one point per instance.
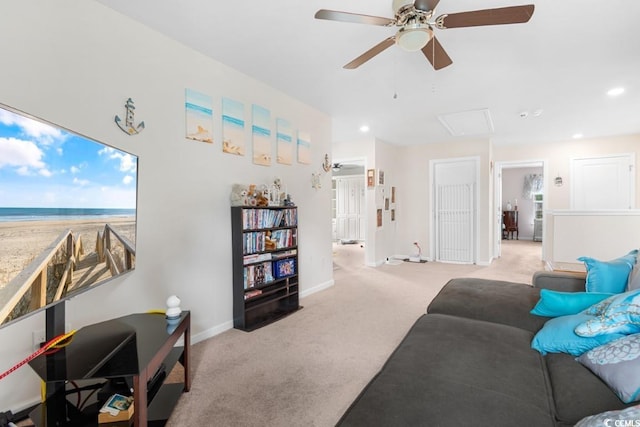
(67, 214)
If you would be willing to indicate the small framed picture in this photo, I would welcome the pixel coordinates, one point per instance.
(393, 214)
(381, 177)
(379, 217)
(393, 194)
(386, 204)
(371, 177)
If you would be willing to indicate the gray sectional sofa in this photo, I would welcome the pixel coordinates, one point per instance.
(469, 361)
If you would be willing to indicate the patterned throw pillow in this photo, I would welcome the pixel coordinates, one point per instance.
(558, 336)
(631, 415)
(617, 314)
(618, 365)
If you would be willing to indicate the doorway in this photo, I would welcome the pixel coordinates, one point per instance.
(519, 192)
(348, 202)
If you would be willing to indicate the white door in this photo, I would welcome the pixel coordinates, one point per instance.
(349, 208)
(602, 182)
(455, 210)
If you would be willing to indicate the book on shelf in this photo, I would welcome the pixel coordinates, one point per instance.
(116, 408)
(257, 275)
(252, 258)
(284, 254)
(268, 218)
(284, 267)
(284, 238)
(252, 293)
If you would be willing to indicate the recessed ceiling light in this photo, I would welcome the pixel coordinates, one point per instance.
(615, 91)
(364, 128)
(577, 136)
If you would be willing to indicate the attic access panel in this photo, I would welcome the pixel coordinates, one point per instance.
(468, 123)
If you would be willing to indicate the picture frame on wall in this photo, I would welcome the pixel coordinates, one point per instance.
(379, 217)
(386, 204)
(393, 214)
(393, 194)
(371, 177)
(381, 177)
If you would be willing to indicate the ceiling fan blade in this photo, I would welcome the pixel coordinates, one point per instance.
(426, 5)
(436, 54)
(503, 15)
(355, 18)
(386, 43)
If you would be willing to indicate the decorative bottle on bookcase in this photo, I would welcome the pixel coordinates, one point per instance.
(265, 264)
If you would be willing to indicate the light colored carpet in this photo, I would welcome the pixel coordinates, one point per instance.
(306, 369)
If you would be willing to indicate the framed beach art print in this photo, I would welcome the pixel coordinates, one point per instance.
(68, 209)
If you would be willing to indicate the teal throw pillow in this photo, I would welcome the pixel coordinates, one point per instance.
(609, 276)
(621, 315)
(555, 303)
(558, 336)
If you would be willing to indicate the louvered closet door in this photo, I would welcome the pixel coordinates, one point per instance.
(454, 201)
(455, 215)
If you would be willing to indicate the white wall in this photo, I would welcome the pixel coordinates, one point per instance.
(417, 215)
(74, 63)
(603, 235)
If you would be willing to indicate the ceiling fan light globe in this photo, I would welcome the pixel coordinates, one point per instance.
(413, 38)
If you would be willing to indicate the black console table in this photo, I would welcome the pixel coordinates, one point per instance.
(140, 347)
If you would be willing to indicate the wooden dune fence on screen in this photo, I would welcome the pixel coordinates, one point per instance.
(71, 267)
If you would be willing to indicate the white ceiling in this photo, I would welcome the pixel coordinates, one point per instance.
(561, 62)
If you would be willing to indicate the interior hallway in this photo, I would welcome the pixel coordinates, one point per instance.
(519, 260)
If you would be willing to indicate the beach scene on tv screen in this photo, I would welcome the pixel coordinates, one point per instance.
(67, 213)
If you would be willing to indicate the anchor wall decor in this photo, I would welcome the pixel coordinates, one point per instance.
(128, 126)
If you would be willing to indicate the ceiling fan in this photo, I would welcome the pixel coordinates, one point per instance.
(414, 19)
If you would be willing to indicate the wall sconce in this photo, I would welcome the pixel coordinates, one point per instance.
(558, 181)
(326, 166)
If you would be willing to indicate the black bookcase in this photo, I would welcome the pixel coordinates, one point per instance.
(265, 264)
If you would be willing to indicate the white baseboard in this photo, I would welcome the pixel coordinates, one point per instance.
(211, 332)
(216, 330)
(318, 288)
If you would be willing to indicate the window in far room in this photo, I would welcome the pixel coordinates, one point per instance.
(532, 189)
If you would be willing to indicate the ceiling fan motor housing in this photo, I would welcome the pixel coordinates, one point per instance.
(398, 4)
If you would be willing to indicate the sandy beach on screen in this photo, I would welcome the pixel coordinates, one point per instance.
(21, 242)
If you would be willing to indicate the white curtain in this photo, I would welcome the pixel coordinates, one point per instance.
(532, 185)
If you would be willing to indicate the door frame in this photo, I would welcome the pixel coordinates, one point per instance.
(433, 227)
(363, 162)
(497, 198)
